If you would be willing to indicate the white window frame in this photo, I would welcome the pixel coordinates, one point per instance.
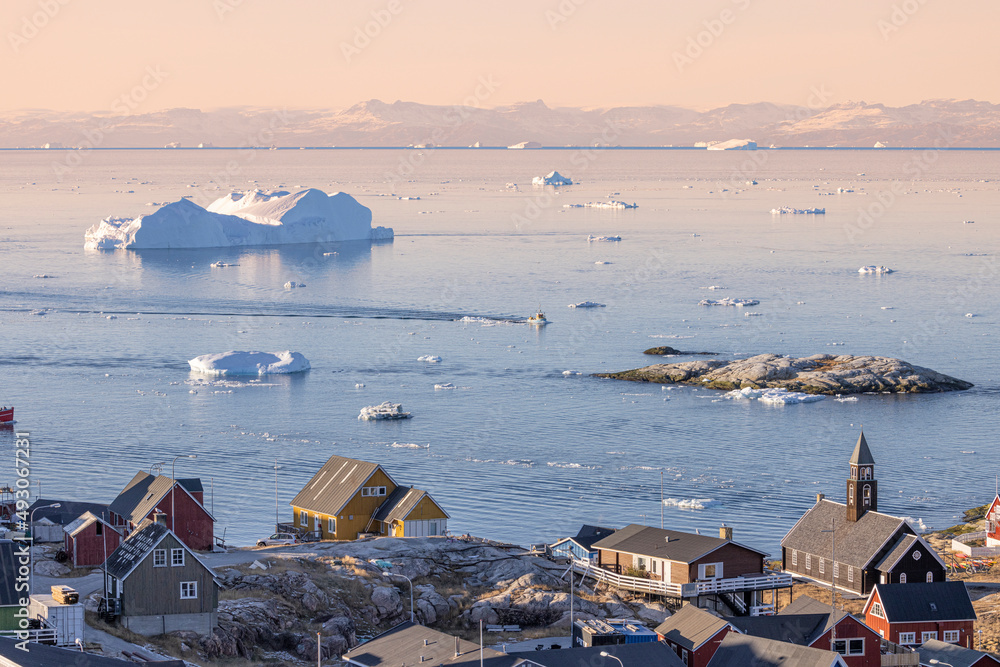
(174, 553)
(304, 519)
(822, 568)
(331, 525)
(191, 592)
(930, 577)
(907, 637)
(902, 577)
(927, 635)
(877, 611)
(372, 491)
(795, 557)
(703, 569)
(809, 561)
(159, 557)
(850, 574)
(843, 646)
(952, 636)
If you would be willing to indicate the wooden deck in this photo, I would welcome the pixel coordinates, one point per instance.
(707, 587)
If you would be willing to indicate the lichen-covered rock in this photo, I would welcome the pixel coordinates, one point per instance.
(818, 374)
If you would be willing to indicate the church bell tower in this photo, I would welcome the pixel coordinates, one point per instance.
(862, 489)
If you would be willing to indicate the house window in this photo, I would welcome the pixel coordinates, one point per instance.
(822, 569)
(902, 578)
(303, 519)
(927, 636)
(850, 574)
(710, 571)
(372, 491)
(951, 636)
(868, 494)
(836, 570)
(809, 562)
(99, 528)
(907, 637)
(795, 557)
(930, 577)
(176, 557)
(331, 524)
(877, 610)
(640, 562)
(849, 646)
(684, 657)
(159, 557)
(189, 590)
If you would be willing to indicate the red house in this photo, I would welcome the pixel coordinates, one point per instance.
(148, 494)
(809, 622)
(90, 540)
(911, 614)
(993, 523)
(693, 634)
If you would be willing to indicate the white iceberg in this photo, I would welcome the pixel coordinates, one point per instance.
(871, 268)
(242, 219)
(250, 363)
(734, 145)
(429, 358)
(587, 304)
(525, 144)
(738, 303)
(593, 238)
(788, 210)
(778, 396)
(603, 204)
(691, 503)
(552, 178)
(444, 385)
(291, 284)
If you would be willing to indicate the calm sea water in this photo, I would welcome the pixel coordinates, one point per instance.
(517, 451)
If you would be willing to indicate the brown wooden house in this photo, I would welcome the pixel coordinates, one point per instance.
(348, 498)
(90, 540)
(156, 584)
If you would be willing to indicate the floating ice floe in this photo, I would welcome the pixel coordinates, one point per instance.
(776, 396)
(250, 363)
(871, 268)
(788, 210)
(222, 265)
(552, 178)
(429, 358)
(587, 304)
(691, 503)
(42, 275)
(715, 287)
(111, 317)
(968, 222)
(752, 314)
(409, 445)
(593, 238)
(359, 385)
(242, 219)
(575, 466)
(738, 303)
(444, 385)
(291, 284)
(383, 411)
(572, 373)
(846, 399)
(602, 263)
(970, 314)
(603, 204)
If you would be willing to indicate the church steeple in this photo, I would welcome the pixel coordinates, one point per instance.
(862, 489)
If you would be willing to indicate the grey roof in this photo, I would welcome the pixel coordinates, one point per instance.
(858, 542)
(590, 534)
(862, 456)
(649, 541)
(952, 654)
(133, 550)
(334, 485)
(84, 520)
(9, 596)
(902, 546)
(408, 642)
(67, 512)
(934, 601)
(802, 622)
(646, 653)
(690, 627)
(192, 484)
(401, 502)
(144, 492)
(738, 650)
(40, 655)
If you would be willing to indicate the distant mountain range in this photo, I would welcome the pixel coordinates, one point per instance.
(953, 123)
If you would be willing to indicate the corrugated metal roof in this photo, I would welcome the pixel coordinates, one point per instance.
(85, 520)
(858, 542)
(951, 654)
(334, 485)
(67, 512)
(690, 627)
(144, 492)
(935, 601)
(408, 642)
(738, 650)
(803, 621)
(646, 654)
(9, 563)
(41, 655)
(902, 546)
(653, 542)
(401, 502)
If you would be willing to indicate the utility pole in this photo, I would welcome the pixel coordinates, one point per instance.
(661, 500)
(833, 586)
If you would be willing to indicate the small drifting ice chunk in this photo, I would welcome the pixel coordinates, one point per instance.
(359, 385)
(738, 303)
(593, 238)
(970, 314)
(968, 222)
(409, 198)
(888, 307)
(691, 503)
(778, 396)
(603, 204)
(788, 210)
(42, 275)
(222, 265)
(444, 385)
(572, 373)
(871, 268)
(846, 399)
(410, 445)
(552, 178)
(602, 263)
(250, 363)
(330, 254)
(383, 411)
(111, 317)
(715, 287)
(430, 358)
(291, 284)
(751, 314)
(587, 304)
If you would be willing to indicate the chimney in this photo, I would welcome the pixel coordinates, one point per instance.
(426, 642)
(666, 538)
(160, 518)
(456, 648)
(820, 496)
(725, 532)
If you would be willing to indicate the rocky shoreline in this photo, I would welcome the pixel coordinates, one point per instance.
(818, 374)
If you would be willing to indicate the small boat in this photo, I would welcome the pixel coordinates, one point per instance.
(538, 318)
(384, 411)
(7, 415)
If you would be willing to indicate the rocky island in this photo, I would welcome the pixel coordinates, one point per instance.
(818, 374)
(667, 351)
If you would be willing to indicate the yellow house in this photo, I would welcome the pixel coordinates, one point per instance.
(348, 497)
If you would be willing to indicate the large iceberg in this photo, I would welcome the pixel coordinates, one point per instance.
(242, 219)
(734, 145)
(250, 363)
(552, 178)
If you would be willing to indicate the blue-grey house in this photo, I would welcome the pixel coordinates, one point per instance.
(581, 546)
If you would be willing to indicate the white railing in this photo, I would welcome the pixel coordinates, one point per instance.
(640, 584)
(961, 545)
(47, 635)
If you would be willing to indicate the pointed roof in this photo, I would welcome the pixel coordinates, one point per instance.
(335, 484)
(862, 456)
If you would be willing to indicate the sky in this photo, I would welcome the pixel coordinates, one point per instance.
(90, 55)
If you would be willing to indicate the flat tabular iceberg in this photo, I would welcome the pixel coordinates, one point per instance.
(242, 219)
(788, 210)
(871, 268)
(552, 178)
(587, 304)
(738, 303)
(249, 363)
(778, 396)
(691, 503)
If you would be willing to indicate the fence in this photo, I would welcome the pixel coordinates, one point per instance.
(706, 587)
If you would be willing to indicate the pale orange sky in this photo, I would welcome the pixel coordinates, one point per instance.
(215, 53)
